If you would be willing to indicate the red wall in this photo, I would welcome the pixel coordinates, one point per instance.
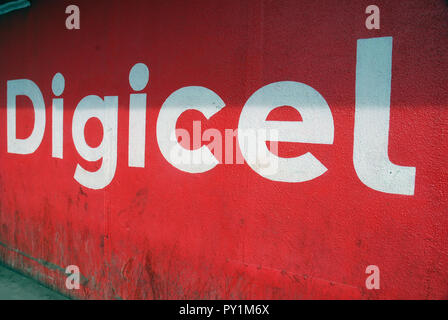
(161, 233)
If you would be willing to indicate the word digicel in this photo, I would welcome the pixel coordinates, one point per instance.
(371, 133)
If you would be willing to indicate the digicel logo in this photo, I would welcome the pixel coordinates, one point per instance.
(371, 133)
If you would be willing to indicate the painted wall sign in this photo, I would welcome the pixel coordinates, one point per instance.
(370, 155)
(261, 149)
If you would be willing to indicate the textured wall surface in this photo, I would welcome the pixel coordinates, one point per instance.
(161, 233)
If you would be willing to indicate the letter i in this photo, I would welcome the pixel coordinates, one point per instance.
(138, 79)
(57, 86)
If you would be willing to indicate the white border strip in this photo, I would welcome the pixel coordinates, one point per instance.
(14, 5)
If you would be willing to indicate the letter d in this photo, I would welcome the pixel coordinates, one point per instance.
(27, 88)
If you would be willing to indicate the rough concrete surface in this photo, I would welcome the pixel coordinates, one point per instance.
(14, 286)
(97, 188)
